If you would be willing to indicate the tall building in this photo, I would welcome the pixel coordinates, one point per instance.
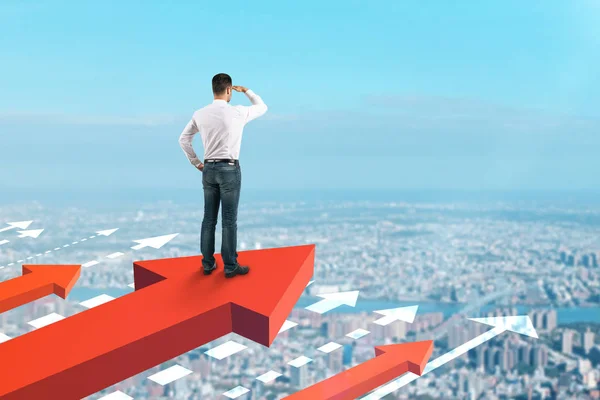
(463, 381)
(543, 320)
(299, 376)
(539, 355)
(493, 358)
(480, 356)
(567, 341)
(534, 316)
(588, 340)
(508, 360)
(348, 358)
(525, 354)
(551, 320)
(335, 360)
(456, 336)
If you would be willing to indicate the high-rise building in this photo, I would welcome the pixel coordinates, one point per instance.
(348, 358)
(493, 358)
(508, 360)
(335, 360)
(324, 330)
(456, 336)
(588, 340)
(525, 354)
(463, 381)
(480, 356)
(567, 341)
(539, 355)
(299, 376)
(550, 320)
(535, 319)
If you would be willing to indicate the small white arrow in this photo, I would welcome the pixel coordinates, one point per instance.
(33, 233)
(155, 242)
(334, 300)
(406, 314)
(13, 225)
(519, 324)
(107, 232)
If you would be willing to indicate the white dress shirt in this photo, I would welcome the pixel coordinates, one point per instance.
(221, 126)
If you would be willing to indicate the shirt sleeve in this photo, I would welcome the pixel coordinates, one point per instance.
(185, 141)
(254, 111)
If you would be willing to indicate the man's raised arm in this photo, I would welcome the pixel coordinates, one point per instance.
(257, 108)
(185, 141)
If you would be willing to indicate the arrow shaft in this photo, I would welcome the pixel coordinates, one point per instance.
(323, 306)
(434, 364)
(356, 381)
(22, 290)
(97, 348)
(7, 228)
(386, 320)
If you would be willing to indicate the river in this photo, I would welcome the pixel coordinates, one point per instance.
(564, 315)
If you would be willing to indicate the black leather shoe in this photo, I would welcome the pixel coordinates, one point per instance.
(209, 271)
(240, 270)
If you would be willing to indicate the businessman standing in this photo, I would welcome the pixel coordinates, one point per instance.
(221, 126)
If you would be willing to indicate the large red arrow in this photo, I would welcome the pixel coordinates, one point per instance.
(37, 281)
(390, 362)
(174, 309)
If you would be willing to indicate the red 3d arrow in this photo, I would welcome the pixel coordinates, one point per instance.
(390, 362)
(37, 281)
(174, 309)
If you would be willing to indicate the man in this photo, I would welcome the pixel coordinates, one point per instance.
(221, 125)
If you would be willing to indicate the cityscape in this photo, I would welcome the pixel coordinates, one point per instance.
(454, 260)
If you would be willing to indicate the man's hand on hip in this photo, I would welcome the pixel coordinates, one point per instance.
(239, 89)
(200, 166)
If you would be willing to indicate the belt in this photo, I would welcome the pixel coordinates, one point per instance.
(216, 160)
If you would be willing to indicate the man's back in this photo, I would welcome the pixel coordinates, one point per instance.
(221, 126)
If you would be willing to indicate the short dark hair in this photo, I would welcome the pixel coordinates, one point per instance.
(220, 82)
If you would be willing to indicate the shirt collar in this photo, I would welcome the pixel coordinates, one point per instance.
(219, 101)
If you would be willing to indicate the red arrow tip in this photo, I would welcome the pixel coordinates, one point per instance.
(62, 276)
(259, 302)
(417, 353)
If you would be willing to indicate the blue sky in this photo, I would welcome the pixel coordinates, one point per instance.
(361, 95)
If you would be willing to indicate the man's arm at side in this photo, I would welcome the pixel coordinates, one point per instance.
(185, 141)
(257, 108)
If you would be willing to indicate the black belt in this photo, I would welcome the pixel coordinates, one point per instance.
(216, 160)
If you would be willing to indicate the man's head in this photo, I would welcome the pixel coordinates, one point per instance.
(221, 85)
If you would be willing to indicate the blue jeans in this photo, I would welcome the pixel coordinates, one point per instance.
(222, 183)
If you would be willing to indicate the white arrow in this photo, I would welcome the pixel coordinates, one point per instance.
(33, 233)
(334, 300)
(107, 232)
(13, 225)
(406, 314)
(155, 242)
(519, 324)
